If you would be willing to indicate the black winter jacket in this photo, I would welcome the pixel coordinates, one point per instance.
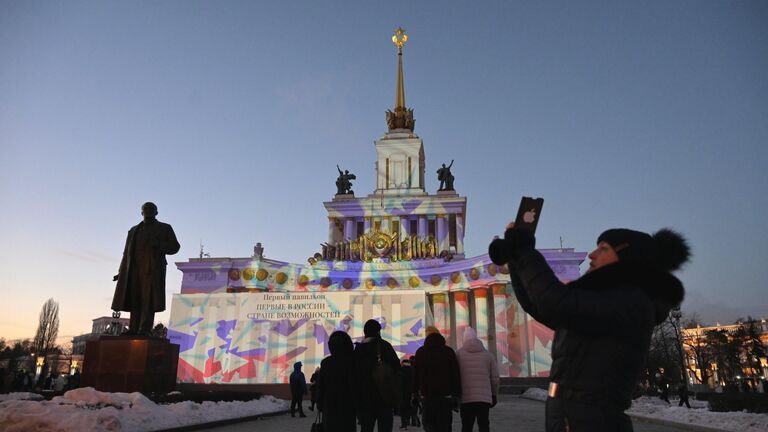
(436, 369)
(603, 322)
(365, 358)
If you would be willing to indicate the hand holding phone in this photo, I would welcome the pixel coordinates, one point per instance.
(529, 213)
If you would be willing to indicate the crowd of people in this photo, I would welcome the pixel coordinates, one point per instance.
(366, 384)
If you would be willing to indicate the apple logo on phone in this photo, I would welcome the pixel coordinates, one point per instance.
(529, 216)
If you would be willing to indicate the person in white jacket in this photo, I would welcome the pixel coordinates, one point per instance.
(479, 382)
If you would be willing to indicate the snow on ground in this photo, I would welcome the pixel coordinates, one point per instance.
(699, 414)
(21, 396)
(91, 410)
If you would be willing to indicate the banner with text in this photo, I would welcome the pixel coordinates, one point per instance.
(247, 338)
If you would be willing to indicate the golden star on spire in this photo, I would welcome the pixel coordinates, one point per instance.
(400, 38)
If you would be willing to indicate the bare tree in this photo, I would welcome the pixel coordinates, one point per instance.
(47, 329)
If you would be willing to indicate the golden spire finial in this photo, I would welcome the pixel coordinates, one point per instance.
(399, 40)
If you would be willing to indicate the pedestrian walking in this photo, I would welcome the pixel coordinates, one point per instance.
(663, 388)
(438, 381)
(603, 321)
(406, 380)
(479, 382)
(336, 386)
(683, 392)
(374, 356)
(298, 384)
(313, 388)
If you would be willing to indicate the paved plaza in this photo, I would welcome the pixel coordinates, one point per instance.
(511, 414)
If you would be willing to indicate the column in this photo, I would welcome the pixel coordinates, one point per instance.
(442, 318)
(349, 228)
(366, 224)
(422, 226)
(459, 233)
(461, 311)
(442, 233)
(331, 230)
(481, 314)
(385, 224)
(502, 344)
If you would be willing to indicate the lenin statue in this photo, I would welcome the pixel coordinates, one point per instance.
(141, 279)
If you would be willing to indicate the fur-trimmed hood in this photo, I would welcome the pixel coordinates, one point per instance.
(665, 290)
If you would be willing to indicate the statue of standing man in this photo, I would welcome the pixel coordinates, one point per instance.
(140, 286)
(445, 177)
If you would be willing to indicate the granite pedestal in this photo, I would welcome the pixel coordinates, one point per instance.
(130, 364)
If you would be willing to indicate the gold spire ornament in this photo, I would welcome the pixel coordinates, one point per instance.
(402, 118)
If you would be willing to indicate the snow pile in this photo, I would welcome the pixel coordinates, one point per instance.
(21, 396)
(698, 415)
(88, 409)
(535, 394)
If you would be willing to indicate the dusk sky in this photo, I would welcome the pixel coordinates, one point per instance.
(232, 116)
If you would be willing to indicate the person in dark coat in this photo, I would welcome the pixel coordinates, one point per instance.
(140, 286)
(373, 409)
(683, 391)
(337, 387)
(663, 388)
(313, 389)
(406, 381)
(603, 321)
(438, 380)
(298, 386)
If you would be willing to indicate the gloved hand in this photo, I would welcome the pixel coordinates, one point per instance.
(515, 239)
(519, 238)
(494, 401)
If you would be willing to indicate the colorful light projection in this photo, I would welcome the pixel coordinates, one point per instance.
(247, 338)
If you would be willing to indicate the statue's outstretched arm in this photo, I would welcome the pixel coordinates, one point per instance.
(449, 166)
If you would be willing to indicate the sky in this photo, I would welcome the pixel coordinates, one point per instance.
(232, 116)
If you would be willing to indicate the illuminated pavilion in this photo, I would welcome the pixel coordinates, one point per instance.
(398, 240)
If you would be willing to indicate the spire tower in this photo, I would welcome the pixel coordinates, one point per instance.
(402, 117)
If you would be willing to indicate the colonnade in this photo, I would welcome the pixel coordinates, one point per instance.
(347, 228)
(486, 310)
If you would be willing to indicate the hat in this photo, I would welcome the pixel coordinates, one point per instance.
(371, 328)
(431, 329)
(666, 249)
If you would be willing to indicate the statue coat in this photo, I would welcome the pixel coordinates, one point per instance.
(163, 242)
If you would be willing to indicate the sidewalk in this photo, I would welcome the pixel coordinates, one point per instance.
(512, 413)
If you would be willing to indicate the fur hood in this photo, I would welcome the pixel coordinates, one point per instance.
(665, 290)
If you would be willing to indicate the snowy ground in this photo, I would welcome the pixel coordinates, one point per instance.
(86, 409)
(698, 415)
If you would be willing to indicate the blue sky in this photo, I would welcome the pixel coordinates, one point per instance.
(232, 116)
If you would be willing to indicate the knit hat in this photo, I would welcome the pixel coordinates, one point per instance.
(666, 249)
(431, 329)
(371, 328)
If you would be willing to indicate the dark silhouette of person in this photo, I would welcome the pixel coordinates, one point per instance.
(683, 392)
(298, 384)
(140, 286)
(373, 410)
(337, 386)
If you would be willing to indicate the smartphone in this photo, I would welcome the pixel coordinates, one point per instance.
(529, 213)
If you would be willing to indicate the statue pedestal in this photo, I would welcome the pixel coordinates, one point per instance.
(130, 364)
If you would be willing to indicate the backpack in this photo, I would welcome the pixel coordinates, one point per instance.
(386, 380)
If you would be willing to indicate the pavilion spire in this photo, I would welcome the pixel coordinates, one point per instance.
(402, 117)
